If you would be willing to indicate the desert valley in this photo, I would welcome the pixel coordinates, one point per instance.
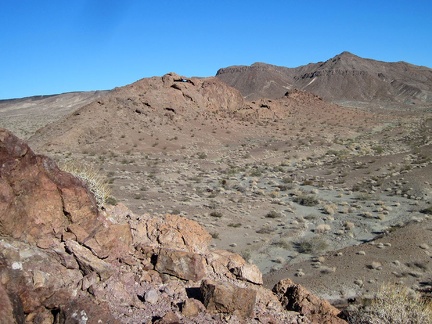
(321, 174)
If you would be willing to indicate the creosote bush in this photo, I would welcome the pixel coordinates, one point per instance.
(93, 179)
(306, 200)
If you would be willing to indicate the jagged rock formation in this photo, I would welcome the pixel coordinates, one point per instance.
(345, 77)
(64, 261)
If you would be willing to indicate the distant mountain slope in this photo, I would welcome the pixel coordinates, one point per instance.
(24, 116)
(345, 77)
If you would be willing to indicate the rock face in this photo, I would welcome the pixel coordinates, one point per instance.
(64, 261)
(38, 202)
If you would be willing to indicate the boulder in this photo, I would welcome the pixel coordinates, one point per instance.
(294, 297)
(232, 265)
(192, 307)
(228, 298)
(183, 265)
(173, 232)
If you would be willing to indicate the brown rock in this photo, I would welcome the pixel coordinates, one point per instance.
(248, 272)
(112, 242)
(227, 298)
(7, 313)
(183, 265)
(37, 200)
(192, 307)
(294, 297)
(85, 310)
(229, 263)
(88, 261)
(176, 232)
(169, 318)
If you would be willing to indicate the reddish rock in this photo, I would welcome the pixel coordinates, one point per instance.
(173, 232)
(37, 200)
(89, 262)
(183, 265)
(228, 298)
(294, 297)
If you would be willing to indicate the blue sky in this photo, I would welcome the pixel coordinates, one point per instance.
(49, 47)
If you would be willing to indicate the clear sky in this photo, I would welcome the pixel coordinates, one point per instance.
(49, 47)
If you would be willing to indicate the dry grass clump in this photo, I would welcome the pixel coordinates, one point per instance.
(396, 305)
(95, 182)
(330, 209)
(322, 228)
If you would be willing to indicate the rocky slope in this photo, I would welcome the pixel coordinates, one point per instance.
(64, 261)
(343, 78)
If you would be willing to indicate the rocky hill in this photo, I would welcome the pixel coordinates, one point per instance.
(139, 113)
(345, 77)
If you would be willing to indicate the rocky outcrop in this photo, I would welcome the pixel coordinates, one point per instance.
(296, 298)
(64, 261)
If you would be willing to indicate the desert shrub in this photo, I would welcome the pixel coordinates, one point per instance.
(202, 155)
(364, 196)
(111, 201)
(322, 228)
(396, 305)
(235, 225)
(349, 225)
(330, 209)
(306, 200)
(93, 179)
(216, 214)
(287, 180)
(284, 244)
(266, 229)
(273, 214)
(214, 235)
(311, 246)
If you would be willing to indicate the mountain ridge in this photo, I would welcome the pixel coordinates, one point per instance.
(346, 76)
